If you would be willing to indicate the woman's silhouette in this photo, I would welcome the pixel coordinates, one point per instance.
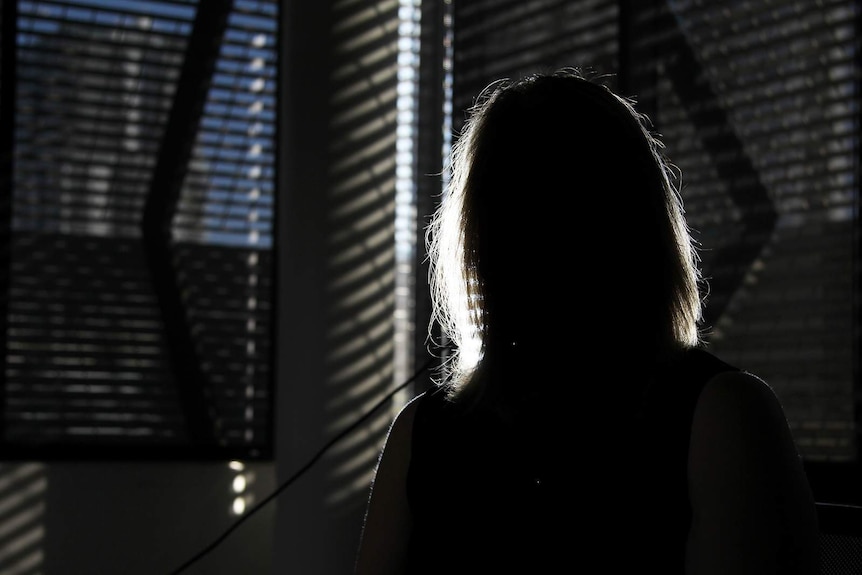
(581, 425)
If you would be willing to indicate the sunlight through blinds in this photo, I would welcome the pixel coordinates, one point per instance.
(758, 105)
(141, 229)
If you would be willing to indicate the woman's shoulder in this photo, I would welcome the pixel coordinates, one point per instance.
(746, 476)
(739, 414)
(745, 396)
(418, 406)
(403, 421)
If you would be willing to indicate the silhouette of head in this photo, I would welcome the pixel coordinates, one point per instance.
(561, 230)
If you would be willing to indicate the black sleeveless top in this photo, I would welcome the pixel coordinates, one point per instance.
(592, 487)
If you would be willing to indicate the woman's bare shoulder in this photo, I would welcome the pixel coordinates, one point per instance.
(387, 525)
(740, 421)
(742, 394)
(399, 438)
(747, 484)
(402, 424)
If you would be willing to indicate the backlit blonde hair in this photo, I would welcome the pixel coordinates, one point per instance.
(529, 150)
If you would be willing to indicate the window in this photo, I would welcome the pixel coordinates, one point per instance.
(139, 209)
(758, 104)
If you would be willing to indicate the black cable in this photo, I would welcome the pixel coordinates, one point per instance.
(302, 470)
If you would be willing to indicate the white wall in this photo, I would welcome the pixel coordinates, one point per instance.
(336, 280)
(143, 518)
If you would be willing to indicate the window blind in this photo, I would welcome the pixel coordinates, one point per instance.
(757, 103)
(140, 293)
(496, 39)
